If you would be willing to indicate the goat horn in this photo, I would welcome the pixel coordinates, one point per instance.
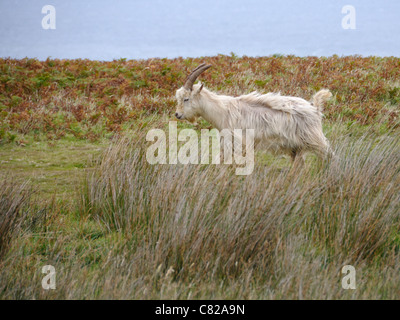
(194, 74)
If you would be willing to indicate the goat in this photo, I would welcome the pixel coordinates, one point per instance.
(282, 124)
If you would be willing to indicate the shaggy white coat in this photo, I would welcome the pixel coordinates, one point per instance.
(281, 124)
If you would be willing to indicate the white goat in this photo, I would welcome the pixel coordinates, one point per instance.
(281, 124)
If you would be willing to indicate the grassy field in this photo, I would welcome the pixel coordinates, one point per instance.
(76, 191)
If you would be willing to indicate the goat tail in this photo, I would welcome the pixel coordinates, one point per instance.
(320, 98)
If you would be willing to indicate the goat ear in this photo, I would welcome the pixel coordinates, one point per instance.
(199, 90)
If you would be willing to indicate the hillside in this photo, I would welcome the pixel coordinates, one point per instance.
(76, 191)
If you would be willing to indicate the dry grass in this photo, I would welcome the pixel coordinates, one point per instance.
(186, 232)
(133, 230)
(14, 199)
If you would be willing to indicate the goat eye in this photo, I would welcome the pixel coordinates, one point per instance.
(186, 100)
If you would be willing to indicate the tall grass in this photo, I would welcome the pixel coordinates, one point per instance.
(275, 233)
(13, 198)
(146, 231)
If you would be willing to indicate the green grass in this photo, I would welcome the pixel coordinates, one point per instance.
(52, 168)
